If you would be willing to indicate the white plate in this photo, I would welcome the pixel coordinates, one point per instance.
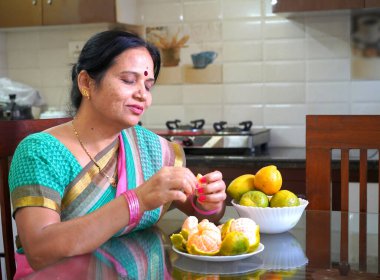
(220, 258)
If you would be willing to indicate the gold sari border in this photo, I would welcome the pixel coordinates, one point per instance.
(178, 152)
(36, 201)
(87, 178)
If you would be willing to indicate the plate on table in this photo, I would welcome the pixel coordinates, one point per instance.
(219, 265)
(220, 258)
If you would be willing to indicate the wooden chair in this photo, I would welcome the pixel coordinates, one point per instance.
(11, 133)
(344, 132)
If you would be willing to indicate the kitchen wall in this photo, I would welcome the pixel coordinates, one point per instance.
(276, 69)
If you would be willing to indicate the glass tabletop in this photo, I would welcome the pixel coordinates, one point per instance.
(316, 248)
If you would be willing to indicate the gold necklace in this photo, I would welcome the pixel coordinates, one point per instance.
(110, 179)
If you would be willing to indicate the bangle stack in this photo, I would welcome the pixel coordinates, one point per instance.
(134, 207)
(200, 211)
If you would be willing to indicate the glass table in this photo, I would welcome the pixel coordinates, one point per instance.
(316, 248)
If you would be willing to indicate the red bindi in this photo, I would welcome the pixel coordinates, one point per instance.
(145, 73)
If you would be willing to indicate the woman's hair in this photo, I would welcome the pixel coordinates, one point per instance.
(99, 54)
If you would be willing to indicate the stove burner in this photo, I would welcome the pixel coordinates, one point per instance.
(195, 125)
(220, 127)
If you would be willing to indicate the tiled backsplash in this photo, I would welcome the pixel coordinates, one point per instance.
(276, 69)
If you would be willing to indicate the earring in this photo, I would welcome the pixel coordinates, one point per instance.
(85, 93)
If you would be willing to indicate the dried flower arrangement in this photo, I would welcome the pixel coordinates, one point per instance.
(165, 43)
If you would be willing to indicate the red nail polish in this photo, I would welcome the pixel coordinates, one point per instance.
(201, 190)
(196, 186)
(203, 180)
(202, 198)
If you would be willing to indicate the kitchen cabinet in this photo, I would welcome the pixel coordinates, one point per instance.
(321, 5)
(372, 3)
(55, 12)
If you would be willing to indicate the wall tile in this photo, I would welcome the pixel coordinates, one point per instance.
(49, 39)
(3, 42)
(328, 92)
(157, 115)
(333, 25)
(281, 28)
(287, 136)
(242, 72)
(202, 11)
(284, 93)
(167, 95)
(241, 30)
(234, 114)
(53, 58)
(29, 76)
(365, 91)
(161, 12)
(210, 113)
(328, 48)
(328, 70)
(201, 32)
(284, 71)
(242, 51)
(247, 94)
(365, 108)
(57, 76)
(241, 8)
(57, 97)
(328, 109)
(284, 114)
(21, 59)
(23, 40)
(202, 94)
(284, 49)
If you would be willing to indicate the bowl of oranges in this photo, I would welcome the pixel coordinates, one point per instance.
(260, 197)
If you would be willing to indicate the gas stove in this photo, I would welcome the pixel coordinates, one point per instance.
(221, 140)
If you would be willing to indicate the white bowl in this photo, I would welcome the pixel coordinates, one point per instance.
(282, 252)
(273, 219)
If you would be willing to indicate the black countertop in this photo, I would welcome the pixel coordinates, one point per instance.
(282, 157)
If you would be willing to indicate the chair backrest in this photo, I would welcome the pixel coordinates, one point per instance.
(11, 133)
(343, 132)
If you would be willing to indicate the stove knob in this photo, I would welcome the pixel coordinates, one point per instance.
(187, 142)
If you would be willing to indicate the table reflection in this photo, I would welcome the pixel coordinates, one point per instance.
(138, 255)
(314, 249)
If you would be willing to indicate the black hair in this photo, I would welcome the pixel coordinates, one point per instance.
(99, 54)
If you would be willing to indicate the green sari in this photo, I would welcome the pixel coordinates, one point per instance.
(45, 173)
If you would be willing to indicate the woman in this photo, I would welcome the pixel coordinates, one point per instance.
(76, 185)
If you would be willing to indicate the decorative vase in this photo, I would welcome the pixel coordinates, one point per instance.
(170, 57)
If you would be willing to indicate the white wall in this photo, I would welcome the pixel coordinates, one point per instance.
(275, 69)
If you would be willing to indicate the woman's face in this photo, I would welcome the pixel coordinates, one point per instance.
(124, 92)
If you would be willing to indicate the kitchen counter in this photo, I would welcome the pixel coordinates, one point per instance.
(291, 162)
(281, 157)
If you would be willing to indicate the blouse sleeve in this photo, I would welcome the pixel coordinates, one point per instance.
(39, 173)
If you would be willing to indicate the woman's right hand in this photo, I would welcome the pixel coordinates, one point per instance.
(168, 184)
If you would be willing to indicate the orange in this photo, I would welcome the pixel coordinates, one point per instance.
(240, 185)
(205, 243)
(243, 225)
(254, 199)
(234, 243)
(284, 198)
(268, 180)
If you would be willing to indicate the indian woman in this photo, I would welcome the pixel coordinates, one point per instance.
(101, 175)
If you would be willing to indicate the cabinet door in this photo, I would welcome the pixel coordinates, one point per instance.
(315, 5)
(15, 13)
(372, 3)
(78, 11)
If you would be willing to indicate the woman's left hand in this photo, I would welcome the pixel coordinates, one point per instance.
(211, 192)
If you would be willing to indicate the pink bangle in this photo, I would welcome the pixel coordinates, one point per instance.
(200, 211)
(133, 206)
